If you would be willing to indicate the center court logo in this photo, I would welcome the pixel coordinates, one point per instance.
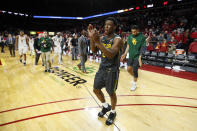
(68, 77)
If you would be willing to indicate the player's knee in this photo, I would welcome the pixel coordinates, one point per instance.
(129, 69)
(113, 95)
(135, 72)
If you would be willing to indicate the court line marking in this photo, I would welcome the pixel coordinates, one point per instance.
(52, 102)
(23, 107)
(78, 109)
(169, 72)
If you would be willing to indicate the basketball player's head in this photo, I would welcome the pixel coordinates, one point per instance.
(21, 33)
(110, 25)
(58, 34)
(135, 30)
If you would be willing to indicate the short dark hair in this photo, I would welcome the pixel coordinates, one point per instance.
(135, 27)
(112, 19)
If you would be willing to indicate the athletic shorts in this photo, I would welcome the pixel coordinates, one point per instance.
(135, 65)
(107, 78)
(22, 50)
(57, 50)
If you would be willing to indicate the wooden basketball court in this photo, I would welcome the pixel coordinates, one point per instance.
(32, 100)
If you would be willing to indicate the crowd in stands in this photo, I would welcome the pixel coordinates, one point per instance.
(165, 30)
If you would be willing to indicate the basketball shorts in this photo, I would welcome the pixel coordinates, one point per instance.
(57, 50)
(22, 50)
(107, 78)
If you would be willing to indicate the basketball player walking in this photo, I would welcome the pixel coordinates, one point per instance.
(108, 73)
(31, 45)
(135, 47)
(22, 43)
(57, 48)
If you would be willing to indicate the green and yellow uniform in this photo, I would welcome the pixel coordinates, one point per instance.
(136, 43)
(136, 47)
(45, 44)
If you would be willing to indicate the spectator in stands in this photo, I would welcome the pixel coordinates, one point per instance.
(172, 41)
(160, 38)
(193, 48)
(150, 47)
(186, 36)
(179, 45)
(179, 36)
(172, 49)
(157, 47)
(173, 26)
(194, 34)
(165, 26)
(154, 40)
(164, 46)
(169, 37)
(166, 36)
(186, 40)
(150, 33)
(149, 23)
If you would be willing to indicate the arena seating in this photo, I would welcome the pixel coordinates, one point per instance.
(162, 59)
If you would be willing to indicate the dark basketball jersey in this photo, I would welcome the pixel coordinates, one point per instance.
(107, 62)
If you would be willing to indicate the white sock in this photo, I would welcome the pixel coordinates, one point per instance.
(113, 111)
(134, 82)
(105, 105)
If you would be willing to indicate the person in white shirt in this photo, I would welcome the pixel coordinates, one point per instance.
(23, 44)
(57, 47)
(69, 44)
(31, 45)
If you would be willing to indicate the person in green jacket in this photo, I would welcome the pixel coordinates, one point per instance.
(135, 47)
(46, 45)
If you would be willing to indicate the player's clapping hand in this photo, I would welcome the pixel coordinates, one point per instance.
(93, 34)
(90, 30)
(96, 36)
